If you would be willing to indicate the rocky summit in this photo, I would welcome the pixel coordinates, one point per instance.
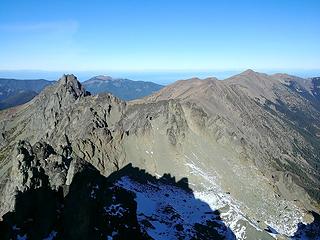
(200, 159)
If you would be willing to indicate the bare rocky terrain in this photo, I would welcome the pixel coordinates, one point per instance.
(244, 153)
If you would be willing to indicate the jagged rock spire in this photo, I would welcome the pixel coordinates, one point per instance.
(68, 83)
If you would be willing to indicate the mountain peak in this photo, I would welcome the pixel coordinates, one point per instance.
(249, 72)
(103, 78)
(69, 84)
(99, 79)
(67, 80)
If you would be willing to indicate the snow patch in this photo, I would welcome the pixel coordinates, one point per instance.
(161, 208)
(115, 210)
(51, 236)
(24, 237)
(286, 223)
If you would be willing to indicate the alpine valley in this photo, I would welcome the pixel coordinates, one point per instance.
(199, 159)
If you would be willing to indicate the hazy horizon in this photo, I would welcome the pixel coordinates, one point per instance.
(158, 41)
(161, 77)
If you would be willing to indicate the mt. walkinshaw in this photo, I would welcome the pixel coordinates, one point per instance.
(199, 159)
(122, 88)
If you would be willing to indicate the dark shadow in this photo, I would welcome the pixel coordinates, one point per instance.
(141, 176)
(271, 230)
(96, 207)
(309, 231)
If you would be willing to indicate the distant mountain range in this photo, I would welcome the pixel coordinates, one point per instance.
(18, 98)
(15, 92)
(120, 87)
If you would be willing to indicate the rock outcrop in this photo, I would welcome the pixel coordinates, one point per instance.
(50, 196)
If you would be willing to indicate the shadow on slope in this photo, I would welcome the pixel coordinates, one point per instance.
(168, 209)
(98, 207)
(309, 231)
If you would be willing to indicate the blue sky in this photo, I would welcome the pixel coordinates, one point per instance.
(156, 35)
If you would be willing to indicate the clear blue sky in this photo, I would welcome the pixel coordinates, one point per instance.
(159, 34)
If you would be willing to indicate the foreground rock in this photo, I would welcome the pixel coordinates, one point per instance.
(67, 198)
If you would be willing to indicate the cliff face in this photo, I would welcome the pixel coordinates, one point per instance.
(262, 119)
(249, 145)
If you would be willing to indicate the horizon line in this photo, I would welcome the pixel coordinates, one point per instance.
(162, 70)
